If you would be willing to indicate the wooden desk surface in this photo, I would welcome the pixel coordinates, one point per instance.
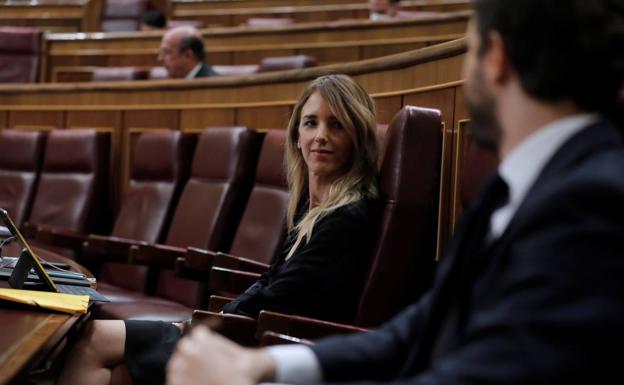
(29, 337)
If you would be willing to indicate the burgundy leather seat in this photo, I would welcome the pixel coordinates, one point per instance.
(122, 15)
(269, 21)
(72, 187)
(153, 190)
(20, 161)
(236, 69)
(206, 217)
(107, 74)
(261, 230)
(402, 264)
(156, 73)
(20, 49)
(154, 180)
(279, 63)
(172, 23)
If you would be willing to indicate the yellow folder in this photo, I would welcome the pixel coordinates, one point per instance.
(68, 303)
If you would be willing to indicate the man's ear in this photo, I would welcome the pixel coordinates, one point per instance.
(496, 64)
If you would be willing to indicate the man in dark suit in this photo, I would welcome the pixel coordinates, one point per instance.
(183, 54)
(531, 289)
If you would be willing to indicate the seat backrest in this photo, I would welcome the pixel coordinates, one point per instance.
(107, 74)
(73, 182)
(269, 21)
(158, 73)
(172, 23)
(122, 15)
(20, 161)
(154, 185)
(243, 69)
(402, 263)
(279, 63)
(20, 49)
(212, 201)
(261, 230)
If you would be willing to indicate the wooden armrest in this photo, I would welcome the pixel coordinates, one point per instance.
(113, 248)
(155, 255)
(216, 302)
(238, 263)
(301, 327)
(29, 230)
(271, 338)
(231, 281)
(199, 260)
(238, 328)
(61, 237)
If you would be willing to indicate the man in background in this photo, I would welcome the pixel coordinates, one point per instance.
(383, 9)
(183, 54)
(531, 287)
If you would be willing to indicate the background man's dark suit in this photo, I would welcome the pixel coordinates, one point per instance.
(205, 71)
(541, 303)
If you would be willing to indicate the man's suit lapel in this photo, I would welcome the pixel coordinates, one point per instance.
(595, 138)
(451, 273)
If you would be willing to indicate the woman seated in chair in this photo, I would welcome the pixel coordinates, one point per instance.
(331, 162)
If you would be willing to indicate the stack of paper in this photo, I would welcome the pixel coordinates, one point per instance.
(68, 303)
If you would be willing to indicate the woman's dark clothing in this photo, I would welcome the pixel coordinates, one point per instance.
(321, 279)
(323, 276)
(148, 347)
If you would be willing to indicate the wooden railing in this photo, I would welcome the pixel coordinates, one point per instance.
(324, 53)
(224, 4)
(53, 15)
(309, 13)
(140, 49)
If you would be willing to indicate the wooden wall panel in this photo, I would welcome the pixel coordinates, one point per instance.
(256, 56)
(167, 119)
(371, 51)
(104, 120)
(37, 120)
(387, 107)
(4, 115)
(330, 55)
(260, 118)
(443, 100)
(194, 120)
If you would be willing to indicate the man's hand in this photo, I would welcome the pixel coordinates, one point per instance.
(206, 358)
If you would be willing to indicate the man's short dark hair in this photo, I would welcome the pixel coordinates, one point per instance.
(195, 44)
(154, 18)
(561, 49)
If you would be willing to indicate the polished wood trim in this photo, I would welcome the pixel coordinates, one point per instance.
(309, 13)
(387, 63)
(216, 36)
(224, 4)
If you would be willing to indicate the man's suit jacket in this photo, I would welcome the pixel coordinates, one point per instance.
(545, 306)
(205, 71)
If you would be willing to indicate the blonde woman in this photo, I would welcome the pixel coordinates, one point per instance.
(331, 163)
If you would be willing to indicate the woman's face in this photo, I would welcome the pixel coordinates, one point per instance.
(325, 145)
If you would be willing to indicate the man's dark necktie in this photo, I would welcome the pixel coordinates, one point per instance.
(471, 259)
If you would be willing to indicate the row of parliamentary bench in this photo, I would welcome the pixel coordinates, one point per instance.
(190, 197)
(126, 15)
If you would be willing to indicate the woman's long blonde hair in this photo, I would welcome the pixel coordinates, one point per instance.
(355, 110)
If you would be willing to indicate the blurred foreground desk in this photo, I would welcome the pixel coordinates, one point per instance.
(32, 340)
